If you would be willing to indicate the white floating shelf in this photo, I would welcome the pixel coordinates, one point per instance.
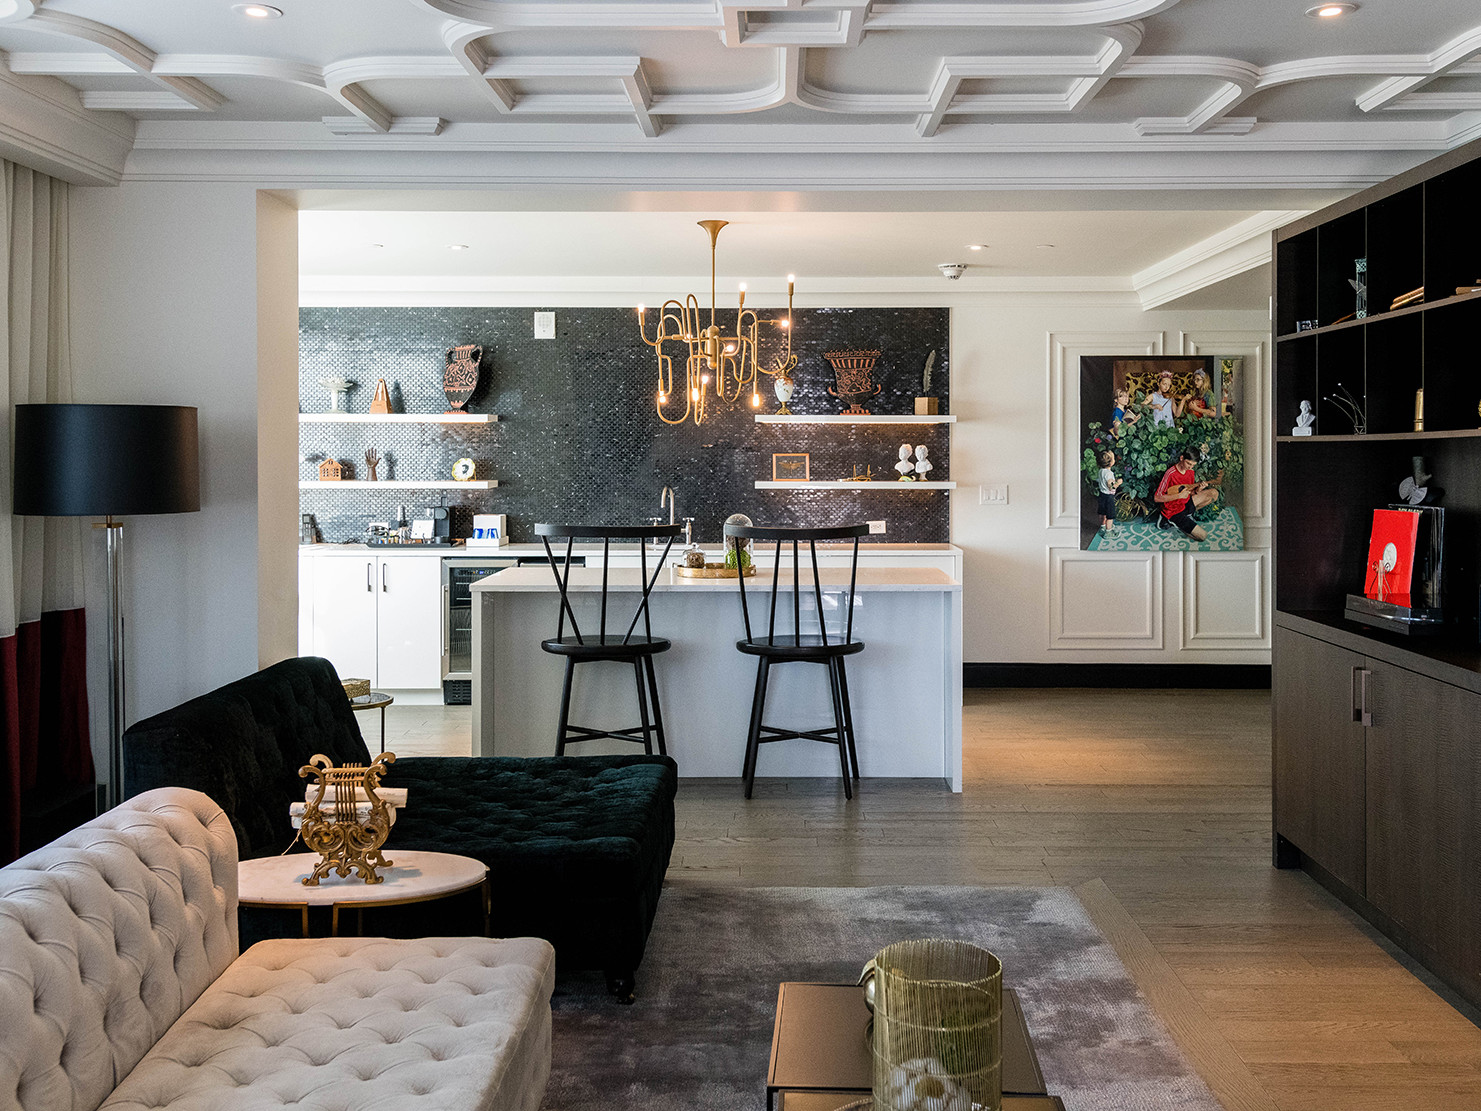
(361, 484)
(846, 485)
(397, 418)
(823, 418)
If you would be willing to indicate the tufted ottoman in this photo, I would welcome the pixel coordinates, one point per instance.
(121, 986)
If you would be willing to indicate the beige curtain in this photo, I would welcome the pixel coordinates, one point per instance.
(40, 558)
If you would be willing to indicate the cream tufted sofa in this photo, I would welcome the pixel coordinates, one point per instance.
(121, 987)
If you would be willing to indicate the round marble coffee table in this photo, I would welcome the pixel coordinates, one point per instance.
(413, 877)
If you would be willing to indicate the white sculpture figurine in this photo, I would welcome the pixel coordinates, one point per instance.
(905, 466)
(922, 464)
(1304, 420)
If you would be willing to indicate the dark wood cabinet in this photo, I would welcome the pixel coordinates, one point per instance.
(1386, 812)
(1320, 771)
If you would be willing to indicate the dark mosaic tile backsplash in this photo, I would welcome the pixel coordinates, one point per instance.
(578, 440)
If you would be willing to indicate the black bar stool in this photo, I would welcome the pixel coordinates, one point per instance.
(630, 647)
(800, 647)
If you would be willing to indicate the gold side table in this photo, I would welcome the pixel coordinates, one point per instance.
(375, 700)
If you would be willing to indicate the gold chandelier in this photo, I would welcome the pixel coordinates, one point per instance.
(729, 362)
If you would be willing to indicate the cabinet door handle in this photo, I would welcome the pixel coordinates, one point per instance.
(383, 578)
(1361, 714)
(369, 573)
(446, 620)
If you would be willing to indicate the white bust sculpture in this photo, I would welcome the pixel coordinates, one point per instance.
(905, 466)
(1304, 420)
(922, 464)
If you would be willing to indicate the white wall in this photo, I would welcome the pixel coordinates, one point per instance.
(164, 311)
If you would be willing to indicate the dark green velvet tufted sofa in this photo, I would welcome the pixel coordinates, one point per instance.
(576, 846)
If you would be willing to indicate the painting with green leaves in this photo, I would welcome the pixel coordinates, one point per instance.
(1162, 465)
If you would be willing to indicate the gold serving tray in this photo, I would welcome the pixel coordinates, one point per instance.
(712, 571)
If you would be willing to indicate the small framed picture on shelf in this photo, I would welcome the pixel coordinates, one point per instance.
(790, 466)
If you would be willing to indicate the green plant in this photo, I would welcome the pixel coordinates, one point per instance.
(730, 558)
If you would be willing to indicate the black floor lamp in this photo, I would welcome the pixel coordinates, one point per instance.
(107, 461)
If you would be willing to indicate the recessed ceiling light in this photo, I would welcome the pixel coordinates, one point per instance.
(976, 246)
(1330, 11)
(258, 11)
(457, 246)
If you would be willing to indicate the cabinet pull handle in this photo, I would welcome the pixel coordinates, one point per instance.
(383, 578)
(446, 620)
(1361, 714)
(369, 584)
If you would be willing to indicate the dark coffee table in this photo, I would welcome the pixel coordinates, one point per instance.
(820, 1057)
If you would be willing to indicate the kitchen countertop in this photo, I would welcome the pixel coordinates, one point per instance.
(617, 549)
(587, 579)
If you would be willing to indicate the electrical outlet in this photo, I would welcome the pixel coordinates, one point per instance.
(545, 325)
(992, 495)
(876, 527)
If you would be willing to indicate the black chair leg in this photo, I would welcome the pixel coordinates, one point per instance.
(657, 710)
(848, 714)
(560, 738)
(753, 738)
(643, 707)
(838, 727)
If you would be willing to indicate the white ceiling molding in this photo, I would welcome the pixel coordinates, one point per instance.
(1451, 56)
(1233, 251)
(43, 125)
(400, 125)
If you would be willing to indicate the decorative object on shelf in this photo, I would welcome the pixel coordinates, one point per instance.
(339, 393)
(355, 688)
(460, 376)
(1359, 283)
(1162, 503)
(731, 362)
(738, 554)
(490, 530)
(349, 832)
(925, 405)
(1415, 487)
(331, 470)
(853, 371)
(791, 466)
(464, 470)
(1403, 580)
(1419, 409)
(694, 557)
(923, 464)
(905, 466)
(785, 386)
(1304, 420)
(1462, 290)
(867, 476)
(308, 529)
(937, 1042)
(704, 570)
(372, 461)
(381, 402)
(1307, 325)
(1413, 297)
(1349, 405)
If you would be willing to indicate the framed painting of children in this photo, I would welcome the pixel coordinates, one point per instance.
(1163, 455)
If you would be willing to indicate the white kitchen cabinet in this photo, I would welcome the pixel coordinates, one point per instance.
(376, 617)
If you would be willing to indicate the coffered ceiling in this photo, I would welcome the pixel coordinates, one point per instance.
(1140, 78)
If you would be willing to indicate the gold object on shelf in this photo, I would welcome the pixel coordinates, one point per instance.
(464, 470)
(729, 362)
(1413, 297)
(344, 841)
(1419, 409)
(713, 571)
(381, 402)
(867, 476)
(355, 688)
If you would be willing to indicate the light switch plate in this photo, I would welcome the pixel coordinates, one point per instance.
(993, 495)
(545, 325)
(876, 527)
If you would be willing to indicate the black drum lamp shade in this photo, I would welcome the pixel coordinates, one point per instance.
(105, 460)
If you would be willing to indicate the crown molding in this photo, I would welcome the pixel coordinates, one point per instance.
(1235, 250)
(44, 125)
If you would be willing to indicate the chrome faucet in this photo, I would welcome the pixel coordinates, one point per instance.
(667, 498)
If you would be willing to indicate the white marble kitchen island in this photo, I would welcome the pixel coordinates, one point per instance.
(905, 687)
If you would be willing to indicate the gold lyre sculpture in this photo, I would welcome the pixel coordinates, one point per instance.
(344, 839)
(730, 362)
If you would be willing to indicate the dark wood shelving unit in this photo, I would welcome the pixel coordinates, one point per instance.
(1376, 759)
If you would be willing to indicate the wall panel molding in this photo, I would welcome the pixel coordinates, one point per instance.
(1105, 599)
(1225, 601)
(1254, 410)
(1063, 428)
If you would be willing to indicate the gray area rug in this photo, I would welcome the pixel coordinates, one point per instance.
(699, 1036)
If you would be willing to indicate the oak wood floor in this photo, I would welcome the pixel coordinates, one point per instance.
(1155, 806)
